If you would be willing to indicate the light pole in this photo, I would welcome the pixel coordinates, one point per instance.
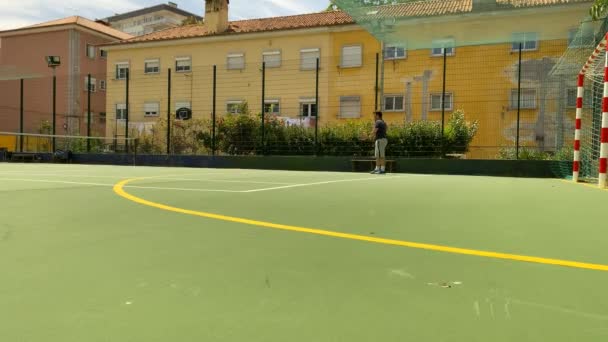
(53, 62)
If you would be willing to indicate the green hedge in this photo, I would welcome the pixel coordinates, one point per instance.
(241, 135)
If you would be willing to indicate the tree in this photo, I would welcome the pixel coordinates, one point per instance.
(599, 9)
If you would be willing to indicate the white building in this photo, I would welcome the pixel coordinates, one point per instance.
(150, 19)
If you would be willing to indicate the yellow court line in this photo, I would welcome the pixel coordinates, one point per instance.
(119, 190)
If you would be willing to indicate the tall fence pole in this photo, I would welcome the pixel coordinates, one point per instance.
(445, 65)
(21, 116)
(263, 108)
(377, 80)
(54, 130)
(128, 111)
(317, 109)
(169, 111)
(89, 112)
(518, 102)
(213, 113)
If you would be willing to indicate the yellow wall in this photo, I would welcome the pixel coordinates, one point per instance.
(287, 83)
(480, 77)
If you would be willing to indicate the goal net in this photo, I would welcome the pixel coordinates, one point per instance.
(591, 125)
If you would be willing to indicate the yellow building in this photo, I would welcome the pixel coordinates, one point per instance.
(481, 42)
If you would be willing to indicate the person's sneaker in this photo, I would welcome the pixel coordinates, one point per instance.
(375, 172)
(381, 172)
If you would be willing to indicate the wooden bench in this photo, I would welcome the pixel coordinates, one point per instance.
(390, 164)
(24, 157)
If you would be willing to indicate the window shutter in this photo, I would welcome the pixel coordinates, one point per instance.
(350, 107)
(351, 56)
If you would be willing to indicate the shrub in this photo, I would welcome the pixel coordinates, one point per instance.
(242, 135)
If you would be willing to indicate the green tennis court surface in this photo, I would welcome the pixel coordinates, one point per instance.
(78, 262)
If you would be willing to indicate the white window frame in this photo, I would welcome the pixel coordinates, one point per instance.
(93, 84)
(182, 104)
(309, 113)
(394, 97)
(271, 102)
(342, 109)
(102, 85)
(357, 60)
(525, 38)
(309, 65)
(86, 117)
(152, 61)
(236, 104)
(571, 92)
(91, 51)
(395, 55)
(440, 44)
(513, 99)
(232, 65)
(151, 109)
(122, 66)
(103, 54)
(271, 64)
(184, 68)
(120, 108)
(449, 105)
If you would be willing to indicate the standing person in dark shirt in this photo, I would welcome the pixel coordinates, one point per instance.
(380, 144)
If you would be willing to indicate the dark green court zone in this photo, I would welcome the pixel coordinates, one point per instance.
(80, 263)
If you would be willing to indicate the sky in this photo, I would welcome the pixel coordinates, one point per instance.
(18, 13)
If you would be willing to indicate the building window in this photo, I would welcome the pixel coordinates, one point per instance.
(121, 111)
(528, 99)
(86, 117)
(308, 59)
(234, 107)
(350, 106)
(91, 53)
(441, 44)
(152, 66)
(272, 59)
(392, 52)
(102, 85)
(183, 64)
(182, 104)
(436, 101)
(571, 97)
(103, 54)
(122, 70)
(235, 61)
(352, 56)
(394, 103)
(92, 86)
(529, 41)
(308, 108)
(272, 107)
(151, 108)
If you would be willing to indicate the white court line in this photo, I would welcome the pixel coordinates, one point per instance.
(168, 177)
(227, 181)
(54, 181)
(198, 190)
(111, 185)
(183, 189)
(321, 183)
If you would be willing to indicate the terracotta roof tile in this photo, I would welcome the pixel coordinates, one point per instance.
(80, 21)
(534, 3)
(423, 8)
